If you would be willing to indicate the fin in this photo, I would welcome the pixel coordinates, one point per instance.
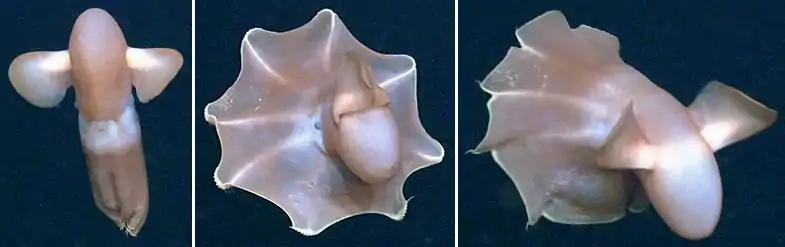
(725, 115)
(356, 88)
(626, 146)
(152, 70)
(41, 77)
(550, 35)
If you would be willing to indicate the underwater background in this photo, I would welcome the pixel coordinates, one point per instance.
(421, 29)
(46, 198)
(681, 46)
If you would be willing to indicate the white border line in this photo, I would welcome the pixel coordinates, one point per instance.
(193, 123)
(455, 138)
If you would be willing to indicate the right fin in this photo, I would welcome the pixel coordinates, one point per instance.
(152, 70)
(725, 115)
(41, 77)
(626, 147)
(356, 88)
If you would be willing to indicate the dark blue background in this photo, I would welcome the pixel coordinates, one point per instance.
(421, 29)
(680, 47)
(46, 198)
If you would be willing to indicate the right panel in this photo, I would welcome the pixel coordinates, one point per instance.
(646, 124)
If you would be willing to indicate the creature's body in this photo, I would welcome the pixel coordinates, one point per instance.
(586, 137)
(103, 69)
(321, 126)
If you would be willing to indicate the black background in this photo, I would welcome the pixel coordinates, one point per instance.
(46, 198)
(681, 46)
(421, 29)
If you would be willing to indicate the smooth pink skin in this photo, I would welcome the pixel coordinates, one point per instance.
(557, 100)
(102, 79)
(102, 69)
(684, 185)
(119, 184)
(104, 73)
(273, 122)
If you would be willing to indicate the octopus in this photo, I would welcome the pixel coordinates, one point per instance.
(320, 125)
(586, 137)
(103, 69)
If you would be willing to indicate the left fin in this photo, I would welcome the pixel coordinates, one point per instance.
(152, 70)
(356, 88)
(725, 115)
(626, 147)
(41, 77)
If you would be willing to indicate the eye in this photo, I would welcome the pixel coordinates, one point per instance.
(317, 125)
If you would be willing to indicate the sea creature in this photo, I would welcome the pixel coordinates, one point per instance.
(586, 137)
(320, 125)
(102, 68)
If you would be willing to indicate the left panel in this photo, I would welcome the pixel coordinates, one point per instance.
(97, 104)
